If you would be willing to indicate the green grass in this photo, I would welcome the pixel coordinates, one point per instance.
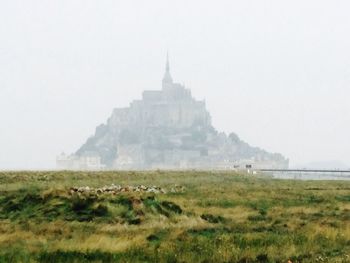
(220, 217)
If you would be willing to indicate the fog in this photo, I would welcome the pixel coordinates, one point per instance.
(277, 73)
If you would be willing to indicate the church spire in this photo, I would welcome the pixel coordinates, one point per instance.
(167, 79)
(167, 68)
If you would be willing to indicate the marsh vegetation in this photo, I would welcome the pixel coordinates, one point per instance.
(219, 217)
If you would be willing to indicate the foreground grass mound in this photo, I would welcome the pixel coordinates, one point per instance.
(23, 205)
(219, 217)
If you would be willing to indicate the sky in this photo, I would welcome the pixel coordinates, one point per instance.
(275, 72)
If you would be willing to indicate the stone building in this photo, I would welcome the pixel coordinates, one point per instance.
(168, 129)
(172, 107)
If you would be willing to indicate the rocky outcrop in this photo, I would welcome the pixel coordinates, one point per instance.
(170, 129)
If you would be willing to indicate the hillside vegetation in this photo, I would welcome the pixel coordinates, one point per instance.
(201, 217)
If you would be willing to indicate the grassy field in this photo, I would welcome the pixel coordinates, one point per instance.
(218, 217)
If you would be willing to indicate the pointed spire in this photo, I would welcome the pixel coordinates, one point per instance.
(167, 68)
(167, 79)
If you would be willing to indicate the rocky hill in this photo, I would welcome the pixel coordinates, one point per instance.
(170, 129)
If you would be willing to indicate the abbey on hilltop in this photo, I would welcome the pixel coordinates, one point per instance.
(166, 129)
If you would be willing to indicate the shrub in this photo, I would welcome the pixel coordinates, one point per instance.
(213, 219)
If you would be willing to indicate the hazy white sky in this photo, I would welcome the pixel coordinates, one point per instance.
(275, 72)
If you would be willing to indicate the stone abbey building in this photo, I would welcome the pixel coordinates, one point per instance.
(166, 129)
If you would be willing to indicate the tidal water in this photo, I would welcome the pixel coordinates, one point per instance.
(312, 175)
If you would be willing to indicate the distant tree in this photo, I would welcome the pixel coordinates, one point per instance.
(234, 137)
